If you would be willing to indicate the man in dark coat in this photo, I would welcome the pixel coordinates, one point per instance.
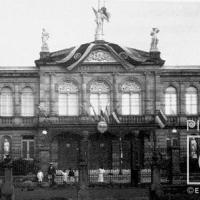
(51, 174)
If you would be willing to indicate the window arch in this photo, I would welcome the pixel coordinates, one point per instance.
(191, 101)
(99, 97)
(170, 101)
(6, 101)
(68, 99)
(131, 98)
(27, 102)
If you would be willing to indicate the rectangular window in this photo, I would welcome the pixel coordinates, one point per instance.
(170, 104)
(28, 147)
(6, 105)
(27, 105)
(68, 104)
(99, 102)
(130, 104)
(191, 104)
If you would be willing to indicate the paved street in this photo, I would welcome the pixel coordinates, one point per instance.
(70, 193)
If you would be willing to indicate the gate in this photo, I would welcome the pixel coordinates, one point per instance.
(109, 160)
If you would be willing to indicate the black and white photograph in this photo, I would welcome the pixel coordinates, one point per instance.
(99, 99)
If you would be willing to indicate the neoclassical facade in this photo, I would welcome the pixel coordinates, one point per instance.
(68, 91)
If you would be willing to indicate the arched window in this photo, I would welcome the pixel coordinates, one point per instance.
(6, 101)
(170, 101)
(191, 101)
(99, 97)
(68, 99)
(27, 102)
(131, 98)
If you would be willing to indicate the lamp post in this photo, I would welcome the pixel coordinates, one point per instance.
(121, 155)
(172, 151)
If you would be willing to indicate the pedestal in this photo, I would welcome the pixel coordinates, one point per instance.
(8, 188)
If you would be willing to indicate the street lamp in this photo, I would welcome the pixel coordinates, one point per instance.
(44, 132)
(174, 130)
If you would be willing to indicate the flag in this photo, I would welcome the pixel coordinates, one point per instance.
(105, 13)
(96, 117)
(161, 119)
(114, 114)
(102, 116)
(107, 114)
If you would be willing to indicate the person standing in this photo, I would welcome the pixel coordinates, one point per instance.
(71, 175)
(51, 174)
(101, 172)
(40, 176)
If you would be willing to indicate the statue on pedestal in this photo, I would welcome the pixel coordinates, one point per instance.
(45, 37)
(101, 15)
(154, 40)
(6, 147)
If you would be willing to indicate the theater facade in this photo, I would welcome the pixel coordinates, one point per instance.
(46, 109)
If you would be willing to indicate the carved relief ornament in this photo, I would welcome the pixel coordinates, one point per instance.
(130, 86)
(67, 87)
(99, 56)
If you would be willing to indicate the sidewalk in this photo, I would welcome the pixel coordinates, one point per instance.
(70, 193)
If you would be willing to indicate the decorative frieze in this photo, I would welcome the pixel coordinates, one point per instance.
(100, 68)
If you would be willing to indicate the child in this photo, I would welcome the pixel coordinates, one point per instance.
(40, 176)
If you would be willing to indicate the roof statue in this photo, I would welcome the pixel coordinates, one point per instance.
(45, 37)
(154, 39)
(101, 14)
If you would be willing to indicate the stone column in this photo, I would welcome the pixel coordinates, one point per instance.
(83, 193)
(175, 160)
(44, 151)
(156, 188)
(83, 95)
(150, 93)
(134, 166)
(52, 94)
(17, 101)
(115, 101)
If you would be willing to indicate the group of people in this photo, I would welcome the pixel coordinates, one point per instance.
(68, 175)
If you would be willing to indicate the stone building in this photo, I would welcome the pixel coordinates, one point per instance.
(47, 108)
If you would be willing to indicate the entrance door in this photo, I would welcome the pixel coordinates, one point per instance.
(67, 153)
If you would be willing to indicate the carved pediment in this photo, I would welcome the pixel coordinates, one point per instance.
(99, 56)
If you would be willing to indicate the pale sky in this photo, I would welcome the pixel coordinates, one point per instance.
(71, 22)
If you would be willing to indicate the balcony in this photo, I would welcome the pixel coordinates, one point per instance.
(181, 120)
(18, 121)
(70, 120)
(135, 120)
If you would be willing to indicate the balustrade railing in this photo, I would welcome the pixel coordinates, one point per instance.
(178, 120)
